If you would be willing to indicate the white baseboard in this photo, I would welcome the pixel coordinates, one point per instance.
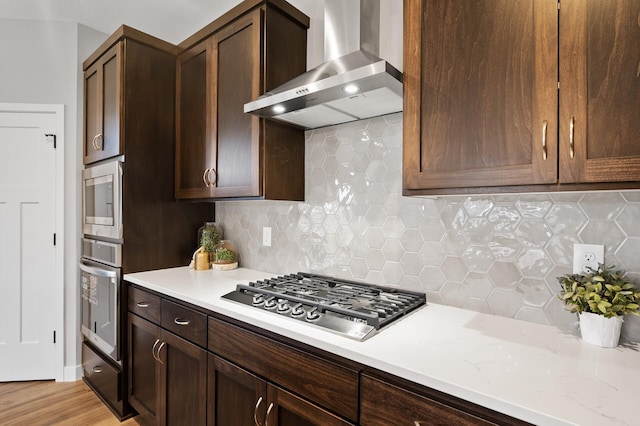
(72, 373)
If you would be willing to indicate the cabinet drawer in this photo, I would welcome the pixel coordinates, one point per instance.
(383, 403)
(102, 377)
(332, 386)
(145, 304)
(185, 322)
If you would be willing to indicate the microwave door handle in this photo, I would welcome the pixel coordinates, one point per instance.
(98, 271)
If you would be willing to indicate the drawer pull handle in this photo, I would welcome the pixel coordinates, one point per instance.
(266, 418)
(255, 412)
(180, 321)
(97, 370)
(571, 133)
(544, 139)
(142, 304)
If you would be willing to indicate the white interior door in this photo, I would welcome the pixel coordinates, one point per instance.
(27, 253)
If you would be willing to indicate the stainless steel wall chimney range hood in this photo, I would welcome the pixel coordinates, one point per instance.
(352, 84)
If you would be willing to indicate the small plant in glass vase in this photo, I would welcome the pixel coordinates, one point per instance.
(209, 240)
(600, 297)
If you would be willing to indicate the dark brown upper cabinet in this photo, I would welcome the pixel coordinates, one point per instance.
(221, 152)
(506, 96)
(599, 91)
(102, 89)
(124, 82)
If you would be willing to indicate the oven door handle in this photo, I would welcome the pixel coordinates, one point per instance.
(98, 271)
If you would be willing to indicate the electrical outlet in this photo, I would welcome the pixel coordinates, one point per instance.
(587, 255)
(266, 236)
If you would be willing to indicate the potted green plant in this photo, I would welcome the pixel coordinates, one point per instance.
(600, 297)
(225, 257)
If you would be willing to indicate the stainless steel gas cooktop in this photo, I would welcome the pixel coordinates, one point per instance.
(349, 308)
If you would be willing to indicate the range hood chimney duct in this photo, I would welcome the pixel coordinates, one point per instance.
(352, 84)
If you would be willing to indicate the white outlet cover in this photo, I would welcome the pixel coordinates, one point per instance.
(266, 236)
(587, 255)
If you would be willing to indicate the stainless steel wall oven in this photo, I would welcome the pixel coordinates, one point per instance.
(101, 295)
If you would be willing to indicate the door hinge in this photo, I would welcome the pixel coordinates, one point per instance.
(54, 336)
(49, 137)
(558, 5)
(54, 239)
(558, 85)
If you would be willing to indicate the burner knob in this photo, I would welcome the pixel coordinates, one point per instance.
(297, 311)
(283, 307)
(270, 303)
(313, 315)
(258, 299)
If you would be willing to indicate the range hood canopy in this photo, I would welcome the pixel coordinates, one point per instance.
(350, 85)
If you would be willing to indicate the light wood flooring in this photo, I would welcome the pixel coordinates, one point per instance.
(49, 403)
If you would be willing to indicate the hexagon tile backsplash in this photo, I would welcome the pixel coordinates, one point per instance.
(496, 254)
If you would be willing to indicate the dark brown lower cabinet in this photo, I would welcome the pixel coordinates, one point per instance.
(143, 381)
(287, 409)
(384, 402)
(248, 376)
(105, 379)
(168, 381)
(237, 397)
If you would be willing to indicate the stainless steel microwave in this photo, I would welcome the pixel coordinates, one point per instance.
(102, 199)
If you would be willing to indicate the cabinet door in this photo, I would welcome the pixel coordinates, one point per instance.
(182, 382)
(236, 73)
(287, 409)
(235, 396)
(195, 152)
(382, 404)
(599, 91)
(143, 368)
(102, 106)
(480, 94)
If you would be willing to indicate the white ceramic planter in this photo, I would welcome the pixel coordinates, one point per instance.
(600, 331)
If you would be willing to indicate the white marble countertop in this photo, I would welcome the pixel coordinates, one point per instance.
(533, 372)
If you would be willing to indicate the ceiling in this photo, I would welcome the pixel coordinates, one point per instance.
(171, 20)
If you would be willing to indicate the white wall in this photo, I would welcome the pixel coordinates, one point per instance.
(40, 64)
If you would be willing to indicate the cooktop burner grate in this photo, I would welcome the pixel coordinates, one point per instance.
(346, 307)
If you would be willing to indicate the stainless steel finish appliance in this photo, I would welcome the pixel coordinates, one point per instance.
(351, 309)
(352, 84)
(102, 199)
(101, 273)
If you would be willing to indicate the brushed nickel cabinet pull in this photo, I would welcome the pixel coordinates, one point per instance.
(255, 413)
(205, 176)
(180, 321)
(544, 139)
(97, 370)
(571, 131)
(215, 177)
(153, 350)
(94, 142)
(97, 142)
(266, 418)
(142, 304)
(162, 345)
